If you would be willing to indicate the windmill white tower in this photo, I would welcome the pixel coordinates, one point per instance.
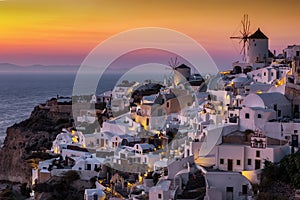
(258, 48)
(255, 49)
(173, 64)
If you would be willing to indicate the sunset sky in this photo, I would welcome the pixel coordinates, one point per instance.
(65, 31)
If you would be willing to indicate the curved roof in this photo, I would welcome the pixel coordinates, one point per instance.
(240, 80)
(182, 66)
(258, 35)
(280, 89)
(265, 100)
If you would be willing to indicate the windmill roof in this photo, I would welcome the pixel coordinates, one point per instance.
(258, 35)
(182, 66)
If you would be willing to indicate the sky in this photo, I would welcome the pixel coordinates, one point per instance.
(65, 31)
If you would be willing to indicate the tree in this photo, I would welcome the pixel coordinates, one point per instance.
(71, 176)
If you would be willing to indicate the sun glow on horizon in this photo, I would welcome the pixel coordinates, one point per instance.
(63, 32)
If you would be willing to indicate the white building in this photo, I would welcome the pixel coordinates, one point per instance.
(283, 130)
(87, 162)
(227, 185)
(128, 160)
(94, 194)
(123, 89)
(257, 109)
(161, 191)
(249, 159)
(67, 137)
(291, 52)
(88, 116)
(270, 74)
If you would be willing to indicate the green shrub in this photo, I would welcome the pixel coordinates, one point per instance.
(71, 176)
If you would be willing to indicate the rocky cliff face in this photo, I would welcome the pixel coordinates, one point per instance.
(23, 139)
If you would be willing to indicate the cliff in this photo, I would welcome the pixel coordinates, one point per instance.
(23, 140)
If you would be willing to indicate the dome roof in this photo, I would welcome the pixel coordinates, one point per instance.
(240, 80)
(265, 100)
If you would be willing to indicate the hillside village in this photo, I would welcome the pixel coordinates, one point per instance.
(191, 136)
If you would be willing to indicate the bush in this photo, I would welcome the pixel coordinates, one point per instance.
(7, 194)
(71, 176)
(286, 171)
(25, 191)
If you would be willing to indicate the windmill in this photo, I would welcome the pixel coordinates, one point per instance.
(244, 35)
(173, 63)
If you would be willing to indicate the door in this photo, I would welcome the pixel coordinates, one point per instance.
(257, 164)
(229, 193)
(294, 140)
(229, 164)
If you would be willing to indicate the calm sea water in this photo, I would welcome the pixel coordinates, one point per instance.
(19, 94)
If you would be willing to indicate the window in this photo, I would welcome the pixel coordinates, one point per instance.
(244, 189)
(168, 104)
(249, 162)
(259, 116)
(159, 196)
(247, 116)
(238, 162)
(229, 189)
(279, 113)
(272, 74)
(221, 161)
(297, 53)
(95, 196)
(258, 154)
(147, 122)
(275, 107)
(264, 73)
(88, 167)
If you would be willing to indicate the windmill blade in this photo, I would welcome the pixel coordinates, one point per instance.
(243, 51)
(247, 27)
(236, 37)
(245, 22)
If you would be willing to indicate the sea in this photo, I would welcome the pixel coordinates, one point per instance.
(20, 93)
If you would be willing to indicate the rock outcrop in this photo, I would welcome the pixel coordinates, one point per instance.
(26, 138)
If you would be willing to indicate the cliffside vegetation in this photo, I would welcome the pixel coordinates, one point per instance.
(280, 180)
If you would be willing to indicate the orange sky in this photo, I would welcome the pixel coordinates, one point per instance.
(64, 31)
